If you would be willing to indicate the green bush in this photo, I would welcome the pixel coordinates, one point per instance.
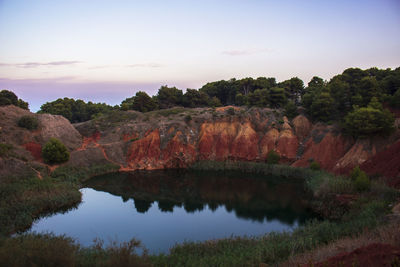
(360, 179)
(362, 182)
(273, 157)
(28, 122)
(55, 152)
(188, 118)
(355, 173)
(315, 166)
(231, 111)
(4, 149)
(363, 122)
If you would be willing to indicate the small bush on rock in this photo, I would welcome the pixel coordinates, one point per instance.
(273, 157)
(315, 166)
(28, 122)
(360, 179)
(55, 152)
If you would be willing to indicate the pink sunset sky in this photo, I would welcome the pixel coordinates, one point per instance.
(106, 51)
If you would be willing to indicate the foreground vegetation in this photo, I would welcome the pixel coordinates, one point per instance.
(364, 212)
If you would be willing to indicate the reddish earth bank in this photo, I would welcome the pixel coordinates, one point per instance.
(159, 140)
(367, 256)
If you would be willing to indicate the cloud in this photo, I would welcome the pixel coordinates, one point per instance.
(245, 52)
(39, 64)
(145, 65)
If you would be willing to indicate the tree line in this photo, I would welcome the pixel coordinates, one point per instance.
(350, 98)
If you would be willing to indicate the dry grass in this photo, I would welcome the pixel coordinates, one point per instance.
(387, 234)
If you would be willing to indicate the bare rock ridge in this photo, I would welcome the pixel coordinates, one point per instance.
(164, 139)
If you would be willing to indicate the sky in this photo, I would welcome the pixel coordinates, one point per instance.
(106, 51)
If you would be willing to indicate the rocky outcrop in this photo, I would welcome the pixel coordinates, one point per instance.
(159, 140)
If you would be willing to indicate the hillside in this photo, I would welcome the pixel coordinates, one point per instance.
(178, 137)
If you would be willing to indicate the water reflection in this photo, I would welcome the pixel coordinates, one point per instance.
(251, 198)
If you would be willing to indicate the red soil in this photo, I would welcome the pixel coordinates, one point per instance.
(367, 256)
(386, 163)
(35, 149)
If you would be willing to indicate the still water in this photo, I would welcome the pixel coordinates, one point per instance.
(162, 208)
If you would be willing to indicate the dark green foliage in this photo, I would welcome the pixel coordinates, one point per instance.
(188, 118)
(50, 250)
(9, 98)
(5, 149)
(291, 110)
(195, 98)
(322, 107)
(55, 152)
(273, 157)
(241, 100)
(215, 102)
(169, 97)
(360, 179)
(395, 100)
(315, 166)
(362, 182)
(277, 97)
(231, 111)
(75, 110)
(372, 120)
(294, 89)
(140, 102)
(28, 122)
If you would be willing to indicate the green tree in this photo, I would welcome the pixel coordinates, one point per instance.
(169, 97)
(277, 97)
(294, 89)
(225, 91)
(194, 98)
(140, 102)
(75, 110)
(291, 110)
(363, 122)
(214, 102)
(9, 98)
(322, 107)
(395, 100)
(241, 100)
(55, 152)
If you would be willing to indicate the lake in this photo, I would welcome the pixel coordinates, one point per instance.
(162, 208)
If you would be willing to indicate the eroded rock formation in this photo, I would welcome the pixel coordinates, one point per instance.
(157, 141)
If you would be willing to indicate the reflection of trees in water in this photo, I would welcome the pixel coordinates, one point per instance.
(249, 198)
(141, 205)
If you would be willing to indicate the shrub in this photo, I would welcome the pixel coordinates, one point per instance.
(273, 157)
(28, 122)
(362, 182)
(355, 173)
(291, 110)
(55, 152)
(231, 111)
(4, 149)
(188, 118)
(315, 166)
(364, 122)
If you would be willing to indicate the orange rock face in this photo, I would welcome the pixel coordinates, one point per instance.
(326, 153)
(177, 154)
(287, 145)
(302, 126)
(223, 140)
(245, 144)
(145, 153)
(268, 142)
